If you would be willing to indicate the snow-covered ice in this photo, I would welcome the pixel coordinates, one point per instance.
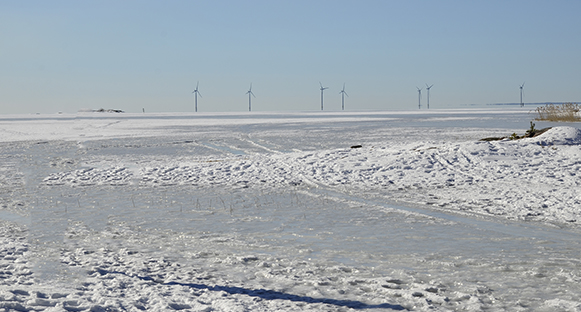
(276, 211)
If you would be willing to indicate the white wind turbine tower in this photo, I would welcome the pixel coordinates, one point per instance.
(196, 92)
(419, 98)
(428, 88)
(521, 87)
(322, 89)
(343, 94)
(250, 95)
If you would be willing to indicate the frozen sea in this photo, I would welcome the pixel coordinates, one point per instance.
(277, 212)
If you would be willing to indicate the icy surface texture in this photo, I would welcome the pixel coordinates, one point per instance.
(277, 212)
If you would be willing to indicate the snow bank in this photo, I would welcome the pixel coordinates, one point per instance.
(531, 179)
(559, 136)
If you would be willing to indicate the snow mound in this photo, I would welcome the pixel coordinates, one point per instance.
(559, 136)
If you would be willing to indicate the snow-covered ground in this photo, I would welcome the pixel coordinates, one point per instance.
(276, 211)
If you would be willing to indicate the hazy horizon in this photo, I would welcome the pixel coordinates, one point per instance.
(114, 110)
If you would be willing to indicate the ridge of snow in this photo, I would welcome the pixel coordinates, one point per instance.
(559, 136)
(526, 179)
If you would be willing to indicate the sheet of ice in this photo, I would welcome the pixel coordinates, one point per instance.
(276, 212)
(95, 126)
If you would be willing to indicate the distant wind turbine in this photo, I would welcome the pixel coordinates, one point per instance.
(521, 91)
(428, 88)
(196, 92)
(250, 95)
(419, 98)
(322, 89)
(343, 94)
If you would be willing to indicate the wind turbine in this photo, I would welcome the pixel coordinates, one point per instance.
(419, 98)
(250, 95)
(196, 92)
(343, 93)
(428, 88)
(521, 86)
(322, 89)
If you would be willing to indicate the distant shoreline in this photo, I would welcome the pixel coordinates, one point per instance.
(530, 104)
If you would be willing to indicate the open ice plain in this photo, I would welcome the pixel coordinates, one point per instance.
(266, 212)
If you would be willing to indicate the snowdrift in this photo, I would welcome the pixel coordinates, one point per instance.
(533, 178)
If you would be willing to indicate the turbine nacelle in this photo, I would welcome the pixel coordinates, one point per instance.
(250, 91)
(196, 90)
(343, 91)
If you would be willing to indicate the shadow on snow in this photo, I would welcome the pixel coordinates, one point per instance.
(268, 294)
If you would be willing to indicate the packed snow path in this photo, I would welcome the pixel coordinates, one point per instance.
(268, 214)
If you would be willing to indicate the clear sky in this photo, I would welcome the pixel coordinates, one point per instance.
(68, 55)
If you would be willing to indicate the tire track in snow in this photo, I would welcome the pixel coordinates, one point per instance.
(246, 138)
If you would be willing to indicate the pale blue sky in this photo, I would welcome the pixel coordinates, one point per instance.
(67, 55)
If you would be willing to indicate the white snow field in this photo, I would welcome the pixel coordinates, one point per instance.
(276, 212)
